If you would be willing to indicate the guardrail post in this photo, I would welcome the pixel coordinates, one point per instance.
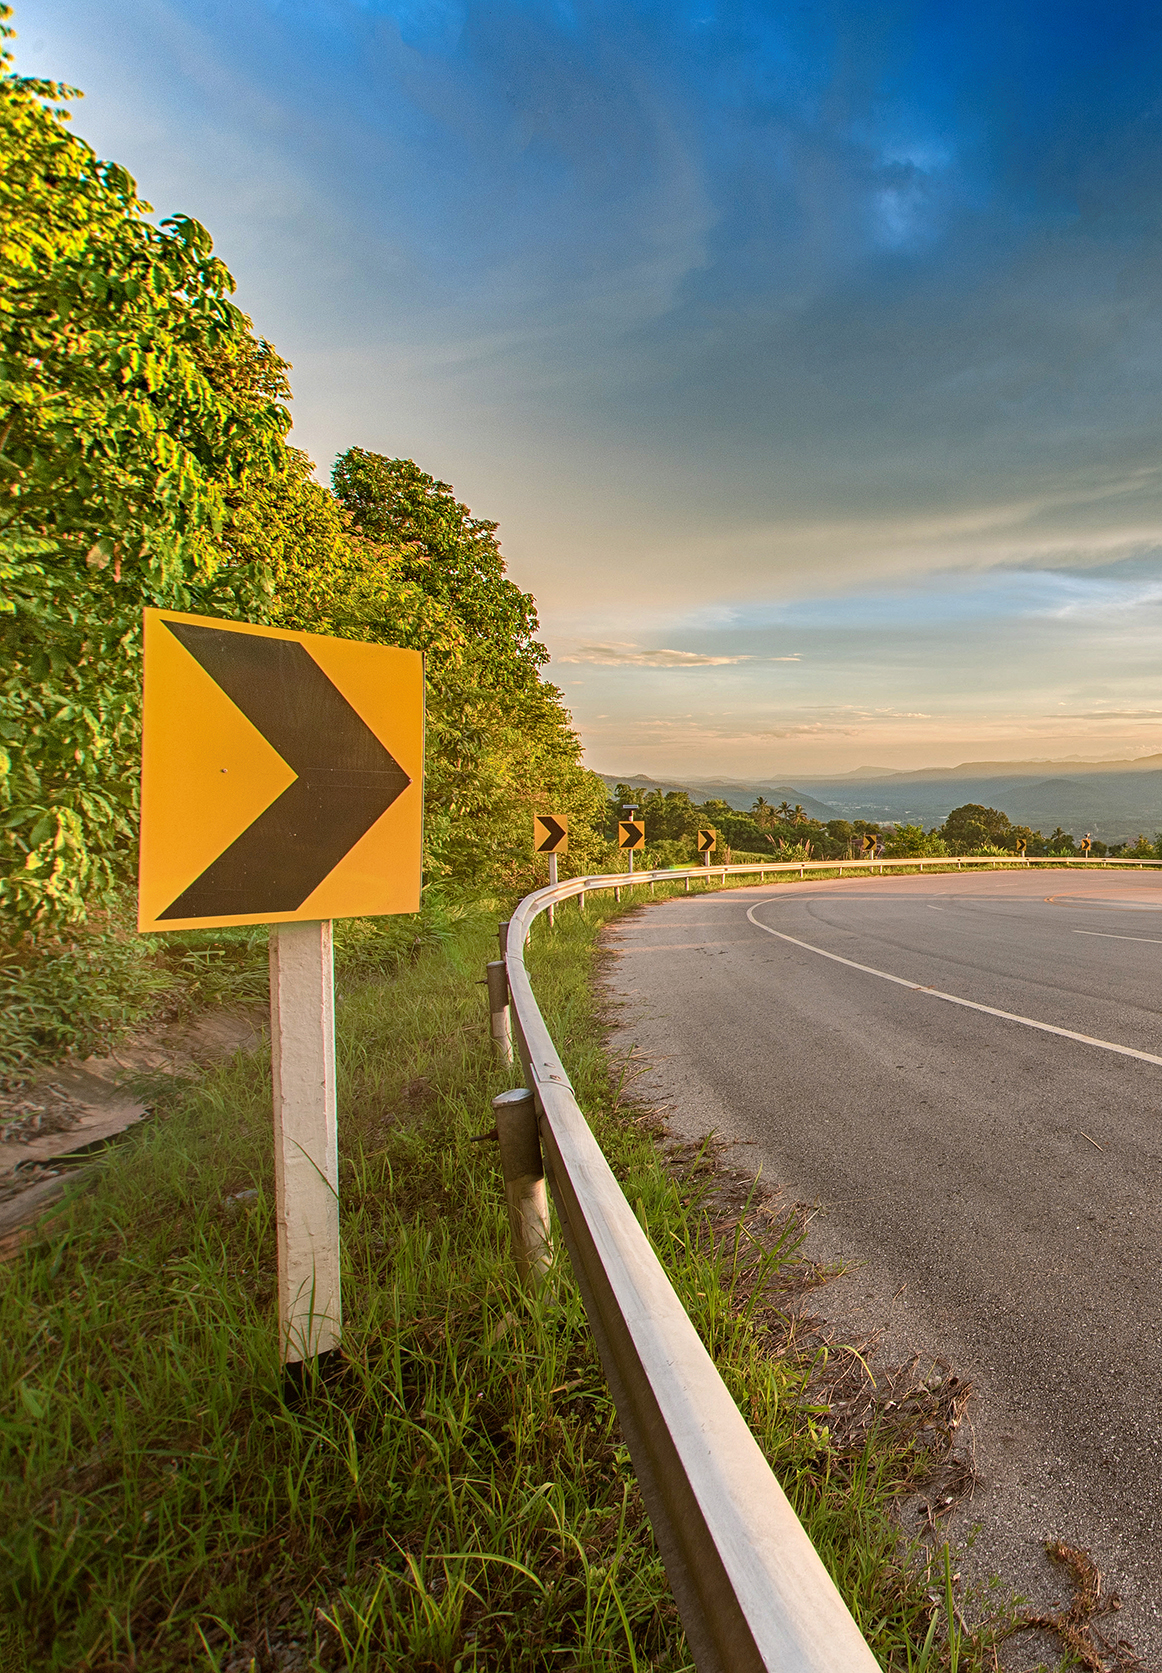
(502, 935)
(687, 882)
(500, 1021)
(524, 1184)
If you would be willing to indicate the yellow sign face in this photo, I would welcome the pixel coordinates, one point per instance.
(550, 833)
(631, 833)
(282, 776)
(707, 842)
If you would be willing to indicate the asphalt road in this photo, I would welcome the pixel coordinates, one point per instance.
(998, 1184)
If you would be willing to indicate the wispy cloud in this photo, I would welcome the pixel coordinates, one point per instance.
(743, 343)
(1112, 714)
(633, 656)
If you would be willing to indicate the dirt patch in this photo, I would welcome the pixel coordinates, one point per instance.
(51, 1123)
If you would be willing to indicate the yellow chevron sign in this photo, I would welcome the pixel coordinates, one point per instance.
(631, 833)
(550, 833)
(282, 775)
(707, 842)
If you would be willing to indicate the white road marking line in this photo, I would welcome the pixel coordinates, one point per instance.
(955, 999)
(1108, 935)
(1104, 903)
(667, 946)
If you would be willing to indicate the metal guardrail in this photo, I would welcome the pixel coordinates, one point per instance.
(749, 1585)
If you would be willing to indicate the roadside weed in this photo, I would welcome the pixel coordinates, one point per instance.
(456, 1495)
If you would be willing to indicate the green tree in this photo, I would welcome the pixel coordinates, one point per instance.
(763, 814)
(395, 558)
(972, 826)
(1059, 842)
(913, 841)
(452, 556)
(134, 400)
(841, 836)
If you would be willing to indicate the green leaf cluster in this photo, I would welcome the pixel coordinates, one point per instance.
(136, 405)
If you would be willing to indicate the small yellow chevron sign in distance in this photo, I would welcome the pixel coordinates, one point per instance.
(282, 775)
(550, 833)
(707, 842)
(631, 833)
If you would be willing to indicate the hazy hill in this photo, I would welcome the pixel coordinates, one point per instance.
(1073, 766)
(1113, 805)
(735, 792)
(1113, 800)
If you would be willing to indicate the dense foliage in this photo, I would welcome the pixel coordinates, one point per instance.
(143, 461)
(672, 817)
(134, 401)
(500, 742)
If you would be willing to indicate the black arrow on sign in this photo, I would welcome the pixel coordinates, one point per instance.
(345, 777)
(556, 833)
(633, 834)
(705, 841)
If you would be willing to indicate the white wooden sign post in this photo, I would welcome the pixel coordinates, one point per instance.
(306, 1138)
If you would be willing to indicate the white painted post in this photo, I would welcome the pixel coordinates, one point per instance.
(306, 1138)
(552, 884)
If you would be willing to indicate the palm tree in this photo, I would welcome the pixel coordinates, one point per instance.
(784, 812)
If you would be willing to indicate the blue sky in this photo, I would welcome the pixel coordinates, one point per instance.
(810, 356)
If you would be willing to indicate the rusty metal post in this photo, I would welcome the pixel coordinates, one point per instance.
(524, 1184)
(500, 1020)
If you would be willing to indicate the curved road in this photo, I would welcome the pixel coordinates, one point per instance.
(1009, 1175)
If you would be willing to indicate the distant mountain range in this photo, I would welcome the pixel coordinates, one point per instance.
(1071, 766)
(737, 793)
(1113, 800)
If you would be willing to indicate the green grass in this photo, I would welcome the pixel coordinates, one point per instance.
(457, 1496)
